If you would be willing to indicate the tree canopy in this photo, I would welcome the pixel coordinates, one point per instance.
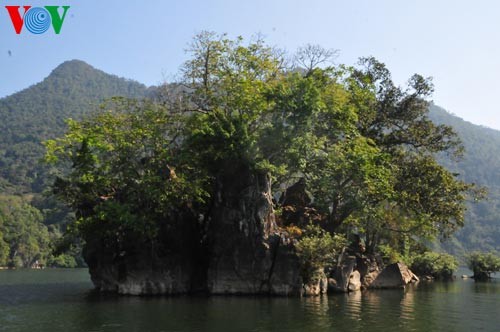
(483, 264)
(364, 146)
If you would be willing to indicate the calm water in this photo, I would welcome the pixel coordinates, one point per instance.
(62, 300)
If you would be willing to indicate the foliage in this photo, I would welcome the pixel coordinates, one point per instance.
(32, 116)
(123, 174)
(25, 239)
(317, 249)
(364, 146)
(298, 114)
(62, 261)
(425, 200)
(438, 265)
(483, 264)
(391, 254)
(4, 250)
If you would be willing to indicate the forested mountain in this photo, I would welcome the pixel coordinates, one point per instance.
(38, 113)
(28, 118)
(481, 165)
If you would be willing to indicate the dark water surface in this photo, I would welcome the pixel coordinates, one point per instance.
(62, 300)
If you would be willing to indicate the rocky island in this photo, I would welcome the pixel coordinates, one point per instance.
(249, 176)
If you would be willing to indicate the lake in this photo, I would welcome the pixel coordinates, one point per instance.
(62, 300)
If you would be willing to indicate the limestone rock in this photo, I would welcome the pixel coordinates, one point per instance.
(247, 255)
(342, 273)
(369, 279)
(396, 275)
(354, 281)
(316, 287)
(332, 285)
(241, 250)
(296, 209)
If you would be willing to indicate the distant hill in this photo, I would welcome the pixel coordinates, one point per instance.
(480, 165)
(38, 113)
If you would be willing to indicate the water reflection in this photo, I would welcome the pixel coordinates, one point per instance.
(354, 305)
(407, 304)
(70, 306)
(488, 287)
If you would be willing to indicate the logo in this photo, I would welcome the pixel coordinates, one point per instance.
(37, 20)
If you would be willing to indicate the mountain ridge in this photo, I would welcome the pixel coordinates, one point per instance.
(480, 165)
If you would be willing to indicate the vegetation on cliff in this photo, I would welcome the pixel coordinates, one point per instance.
(364, 148)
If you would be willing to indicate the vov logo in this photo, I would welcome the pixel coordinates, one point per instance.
(37, 20)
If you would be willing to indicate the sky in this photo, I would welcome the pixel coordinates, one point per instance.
(455, 42)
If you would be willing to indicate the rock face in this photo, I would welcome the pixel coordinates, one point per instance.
(247, 254)
(241, 250)
(133, 267)
(134, 275)
(296, 209)
(396, 275)
(235, 248)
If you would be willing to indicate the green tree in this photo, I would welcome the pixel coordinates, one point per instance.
(439, 266)
(123, 174)
(483, 264)
(364, 146)
(4, 249)
(23, 231)
(317, 249)
(425, 200)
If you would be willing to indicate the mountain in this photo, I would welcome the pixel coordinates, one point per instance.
(480, 165)
(38, 113)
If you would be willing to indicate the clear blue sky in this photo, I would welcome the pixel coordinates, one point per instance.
(455, 42)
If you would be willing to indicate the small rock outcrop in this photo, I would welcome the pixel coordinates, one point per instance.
(342, 273)
(356, 271)
(235, 248)
(296, 206)
(317, 286)
(354, 282)
(396, 275)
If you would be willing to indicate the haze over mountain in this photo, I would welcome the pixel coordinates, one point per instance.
(75, 88)
(480, 165)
